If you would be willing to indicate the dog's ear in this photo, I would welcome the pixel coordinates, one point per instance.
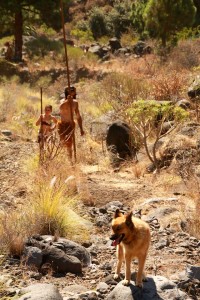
(117, 213)
(128, 221)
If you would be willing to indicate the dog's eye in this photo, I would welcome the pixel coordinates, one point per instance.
(118, 228)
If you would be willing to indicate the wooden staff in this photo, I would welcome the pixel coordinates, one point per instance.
(68, 78)
(41, 126)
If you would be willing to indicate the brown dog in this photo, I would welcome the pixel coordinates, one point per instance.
(132, 238)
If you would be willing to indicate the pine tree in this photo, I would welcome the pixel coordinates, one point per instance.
(17, 10)
(164, 18)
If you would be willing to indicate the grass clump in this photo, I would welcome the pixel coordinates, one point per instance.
(52, 208)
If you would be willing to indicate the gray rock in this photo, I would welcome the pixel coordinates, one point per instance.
(162, 243)
(183, 103)
(163, 283)
(40, 292)
(32, 256)
(114, 44)
(75, 288)
(156, 288)
(97, 50)
(74, 249)
(61, 262)
(6, 132)
(68, 247)
(159, 213)
(154, 200)
(132, 292)
(102, 287)
(175, 294)
(193, 272)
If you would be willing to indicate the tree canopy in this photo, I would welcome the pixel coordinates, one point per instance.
(16, 12)
(164, 18)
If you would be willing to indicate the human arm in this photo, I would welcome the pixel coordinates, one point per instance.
(54, 120)
(38, 122)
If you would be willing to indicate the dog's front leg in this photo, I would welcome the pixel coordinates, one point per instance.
(120, 257)
(127, 279)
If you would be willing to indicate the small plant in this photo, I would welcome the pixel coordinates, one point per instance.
(42, 45)
(51, 202)
(82, 36)
(148, 118)
(168, 86)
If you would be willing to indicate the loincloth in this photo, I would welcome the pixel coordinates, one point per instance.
(65, 130)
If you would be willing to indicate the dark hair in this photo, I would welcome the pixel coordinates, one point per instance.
(48, 106)
(72, 90)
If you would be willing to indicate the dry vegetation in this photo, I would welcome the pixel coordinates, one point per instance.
(53, 200)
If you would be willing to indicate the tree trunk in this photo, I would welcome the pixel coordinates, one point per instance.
(164, 41)
(18, 34)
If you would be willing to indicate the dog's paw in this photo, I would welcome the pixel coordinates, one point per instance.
(125, 282)
(139, 284)
(144, 279)
(116, 276)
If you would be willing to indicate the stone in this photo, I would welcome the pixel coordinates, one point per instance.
(154, 289)
(102, 287)
(70, 248)
(32, 256)
(193, 272)
(6, 132)
(40, 291)
(61, 262)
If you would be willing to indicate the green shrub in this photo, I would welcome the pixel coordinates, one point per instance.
(97, 22)
(188, 33)
(118, 20)
(84, 36)
(41, 46)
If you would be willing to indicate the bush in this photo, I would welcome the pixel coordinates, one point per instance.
(118, 20)
(83, 36)
(184, 56)
(51, 207)
(41, 46)
(97, 22)
(120, 90)
(168, 86)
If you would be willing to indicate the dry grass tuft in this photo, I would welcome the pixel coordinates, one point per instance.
(52, 202)
(168, 85)
(185, 56)
(139, 169)
(192, 209)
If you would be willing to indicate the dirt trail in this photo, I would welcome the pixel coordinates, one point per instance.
(106, 186)
(170, 250)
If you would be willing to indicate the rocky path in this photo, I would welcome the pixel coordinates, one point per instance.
(13, 186)
(172, 252)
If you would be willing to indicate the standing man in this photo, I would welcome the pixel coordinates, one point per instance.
(66, 126)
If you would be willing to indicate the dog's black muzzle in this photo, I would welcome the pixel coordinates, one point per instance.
(114, 237)
(117, 238)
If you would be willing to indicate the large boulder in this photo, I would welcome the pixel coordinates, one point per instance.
(97, 50)
(61, 262)
(74, 249)
(62, 255)
(194, 89)
(141, 48)
(114, 44)
(157, 287)
(119, 142)
(33, 256)
(40, 291)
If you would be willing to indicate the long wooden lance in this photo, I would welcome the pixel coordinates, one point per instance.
(41, 127)
(68, 77)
